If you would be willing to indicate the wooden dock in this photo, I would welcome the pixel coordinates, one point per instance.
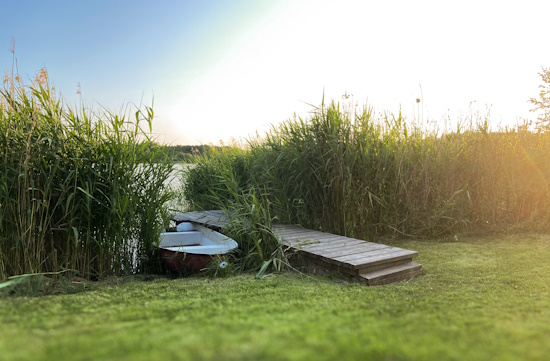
(367, 262)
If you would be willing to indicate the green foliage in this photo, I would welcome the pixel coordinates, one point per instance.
(218, 176)
(542, 103)
(45, 283)
(222, 182)
(78, 190)
(187, 153)
(221, 266)
(362, 176)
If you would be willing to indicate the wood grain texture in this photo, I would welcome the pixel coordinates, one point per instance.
(367, 262)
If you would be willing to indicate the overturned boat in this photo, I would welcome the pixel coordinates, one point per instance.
(192, 247)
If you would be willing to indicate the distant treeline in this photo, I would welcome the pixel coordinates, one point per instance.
(189, 153)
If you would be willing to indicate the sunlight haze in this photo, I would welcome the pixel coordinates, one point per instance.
(228, 69)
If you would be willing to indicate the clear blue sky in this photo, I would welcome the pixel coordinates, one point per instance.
(222, 69)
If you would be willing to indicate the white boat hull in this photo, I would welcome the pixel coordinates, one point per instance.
(192, 250)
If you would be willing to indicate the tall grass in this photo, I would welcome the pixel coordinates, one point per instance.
(78, 189)
(222, 181)
(357, 174)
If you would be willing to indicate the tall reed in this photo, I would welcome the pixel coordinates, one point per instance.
(350, 172)
(78, 189)
(222, 182)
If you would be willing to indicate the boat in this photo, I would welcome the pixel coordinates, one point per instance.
(192, 247)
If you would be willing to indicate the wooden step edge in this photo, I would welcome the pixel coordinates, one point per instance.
(399, 278)
(317, 263)
(404, 256)
(392, 274)
(401, 255)
(376, 267)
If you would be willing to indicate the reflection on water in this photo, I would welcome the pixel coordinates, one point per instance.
(175, 182)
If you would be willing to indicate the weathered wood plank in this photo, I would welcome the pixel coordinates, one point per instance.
(383, 258)
(349, 250)
(288, 229)
(320, 266)
(392, 274)
(367, 253)
(308, 238)
(391, 271)
(303, 235)
(355, 258)
(328, 260)
(375, 267)
(336, 244)
(330, 243)
(199, 217)
(361, 263)
(306, 244)
(287, 226)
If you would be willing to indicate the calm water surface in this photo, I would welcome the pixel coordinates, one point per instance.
(175, 181)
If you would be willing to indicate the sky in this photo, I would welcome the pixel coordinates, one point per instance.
(217, 70)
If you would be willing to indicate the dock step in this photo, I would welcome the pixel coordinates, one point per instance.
(367, 262)
(392, 274)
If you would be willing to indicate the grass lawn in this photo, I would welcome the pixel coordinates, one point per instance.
(479, 299)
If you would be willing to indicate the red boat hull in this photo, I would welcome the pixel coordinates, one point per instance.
(185, 263)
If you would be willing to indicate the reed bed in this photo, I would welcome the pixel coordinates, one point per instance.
(221, 180)
(364, 175)
(79, 190)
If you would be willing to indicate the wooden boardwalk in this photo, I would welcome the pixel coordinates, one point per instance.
(366, 262)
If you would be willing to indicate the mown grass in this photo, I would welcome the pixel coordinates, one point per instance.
(479, 299)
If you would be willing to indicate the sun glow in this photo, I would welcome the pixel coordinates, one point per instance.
(389, 54)
(230, 70)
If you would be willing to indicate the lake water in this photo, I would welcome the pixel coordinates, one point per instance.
(175, 181)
